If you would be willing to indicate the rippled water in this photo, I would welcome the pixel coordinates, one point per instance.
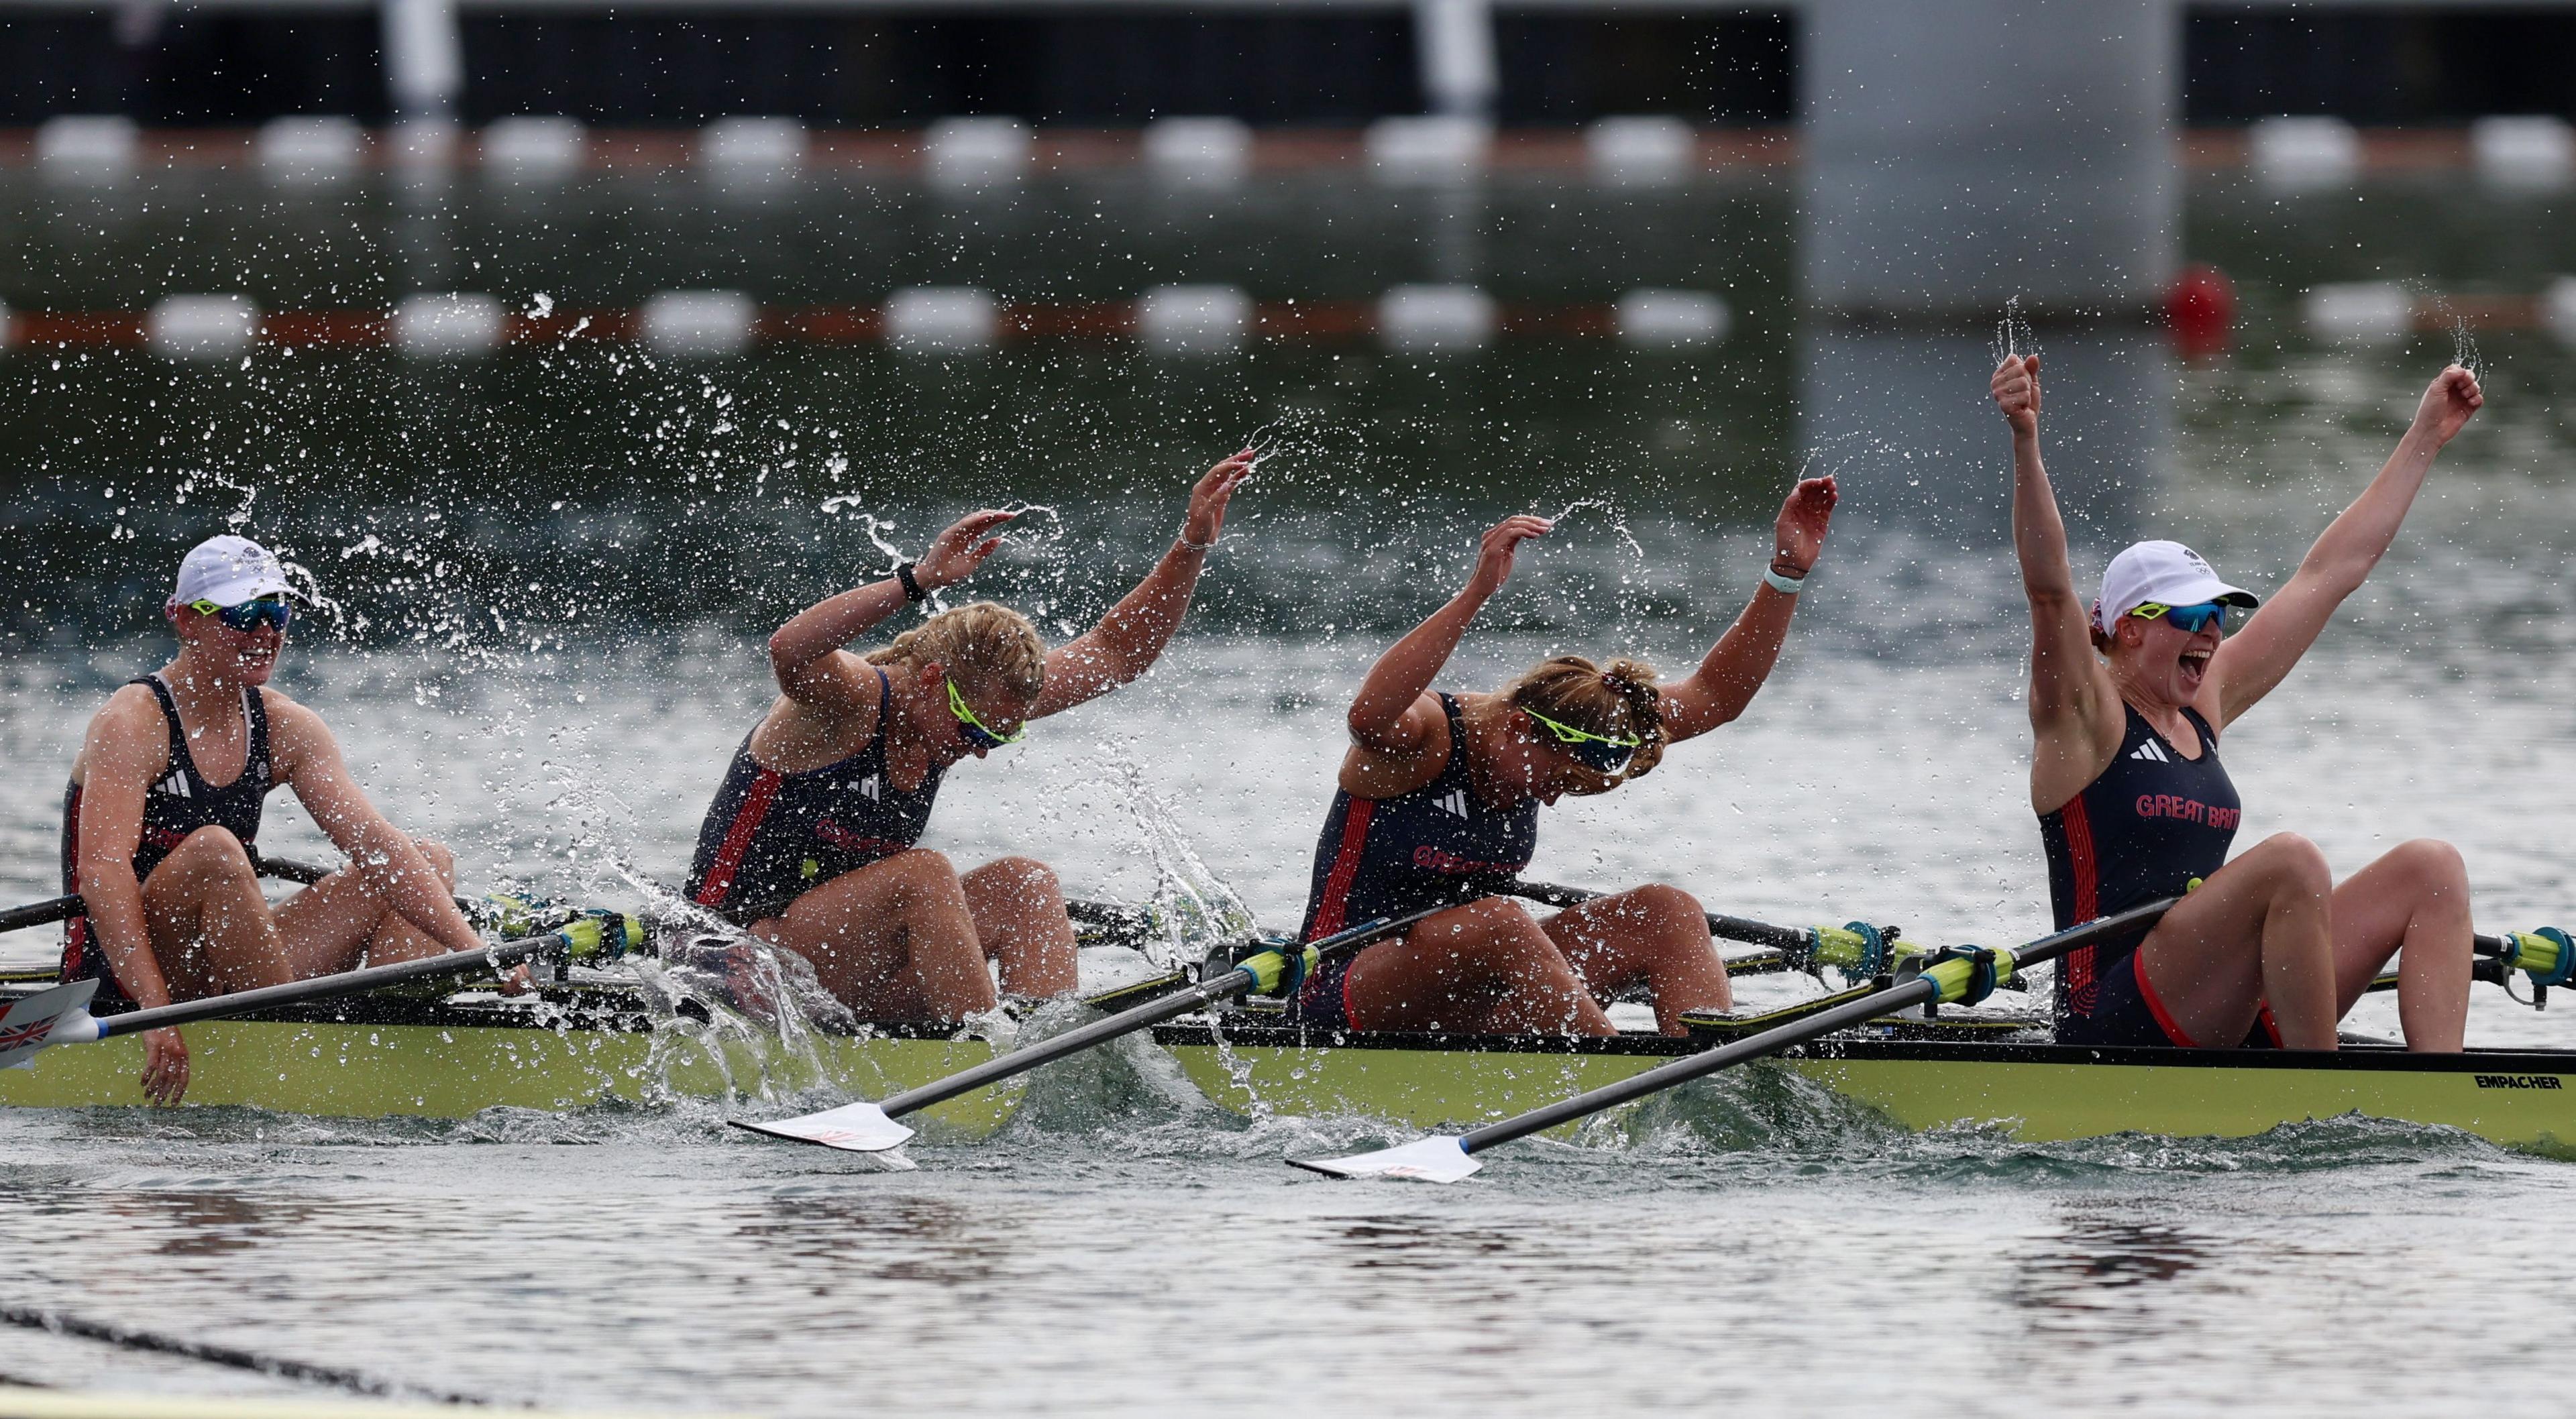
(552, 574)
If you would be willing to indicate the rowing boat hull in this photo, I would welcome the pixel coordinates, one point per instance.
(460, 1066)
(2522, 1099)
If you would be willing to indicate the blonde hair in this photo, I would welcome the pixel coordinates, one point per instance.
(1614, 699)
(987, 640)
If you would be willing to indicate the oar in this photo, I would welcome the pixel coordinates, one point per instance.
(60, 1016)
(866, 1127)
(1957, 975)
(1859, 950)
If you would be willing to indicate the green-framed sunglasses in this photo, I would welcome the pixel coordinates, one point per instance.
(249, 615)
(1607, 752)
(973, 730)
(2190, 620)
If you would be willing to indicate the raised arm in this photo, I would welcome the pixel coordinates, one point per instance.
(1128, 640)
(2073, 704)
(806, 654)
(2252, 661)
(1732, 672)
(308, 761)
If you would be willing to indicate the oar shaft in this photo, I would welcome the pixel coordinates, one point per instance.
(243, 1002)
(1896, 997)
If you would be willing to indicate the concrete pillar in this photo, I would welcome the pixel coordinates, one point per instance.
(424, 59)
(1454, 41)
(1961, 152)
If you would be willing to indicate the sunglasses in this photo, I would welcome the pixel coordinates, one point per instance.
(1605, 752)
(248, 616)
(2190, 620)
(973, 730)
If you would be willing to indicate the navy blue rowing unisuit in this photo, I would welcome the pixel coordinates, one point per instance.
(179, 802)
(773, 836)
(2151, 823)
(1386, 856)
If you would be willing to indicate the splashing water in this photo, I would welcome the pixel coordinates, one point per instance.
(1191, 906)
(1618, 520)
(2013, 334)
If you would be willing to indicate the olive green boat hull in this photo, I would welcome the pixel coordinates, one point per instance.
(358, 1069)
(2523, 1099)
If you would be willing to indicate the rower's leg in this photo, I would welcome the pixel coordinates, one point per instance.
(1019, 914)
(1654, 934)
(2415, 898)
(1483, 968)
(211, 929)
(348, 918)
(893, 940)
(2256, 931)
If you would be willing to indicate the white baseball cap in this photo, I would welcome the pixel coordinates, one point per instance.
(2165, 572)
(228, 571)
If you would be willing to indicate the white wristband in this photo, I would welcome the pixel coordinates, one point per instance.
(1785, 585)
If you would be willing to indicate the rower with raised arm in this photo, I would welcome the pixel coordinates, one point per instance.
(1438, 801)
(2128, 701)
(810, 842)
(161, 821)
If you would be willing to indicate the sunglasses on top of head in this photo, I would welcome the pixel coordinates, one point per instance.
(972, 730)
(1608, 753)
(249, 615)
(2190, 620)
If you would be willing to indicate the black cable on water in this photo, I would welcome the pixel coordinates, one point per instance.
(354, 1381)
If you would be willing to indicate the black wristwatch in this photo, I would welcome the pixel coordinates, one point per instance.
(911, 589)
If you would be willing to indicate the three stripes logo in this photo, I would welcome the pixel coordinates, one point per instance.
(870, 789)
(2153, 752)
(176, 785)
(1454, 801)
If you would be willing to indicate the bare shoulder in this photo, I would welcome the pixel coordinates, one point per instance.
(130, 720)
(295, 730)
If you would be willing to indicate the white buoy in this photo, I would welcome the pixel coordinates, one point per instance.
(2524, 154)
(967, 154)
(2306, 154)
(1199, 152)
(534, 148)
(306, 152)
(2360, 312)
(1641, 150)
(1436, 319)
(1672, 320)
(2558, 310)
(436, 325)
(698, 324)
(201, 327)
(1194, 320)
(942, 319)
(88, 147)
(1427, 150)
(747, 150)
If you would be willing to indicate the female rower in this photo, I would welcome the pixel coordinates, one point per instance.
(161, 825)
(810, 842)
(1439, 800)
(2128, 703)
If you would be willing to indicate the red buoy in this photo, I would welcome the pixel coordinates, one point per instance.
(2202, 308)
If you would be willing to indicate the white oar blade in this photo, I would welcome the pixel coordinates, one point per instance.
(1439, 1158)
(59, 1016)
(854, 1128)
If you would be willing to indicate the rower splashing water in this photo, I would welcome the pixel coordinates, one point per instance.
(810, 844)
(1438, 801)
(2128, 703)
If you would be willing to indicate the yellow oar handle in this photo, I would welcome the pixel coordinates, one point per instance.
(1968, 974)
(1270, 967)
(604, 935)
(2546, 955)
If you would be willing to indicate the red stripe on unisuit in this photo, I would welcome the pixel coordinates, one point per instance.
(2080, 990)
(1333, 915)
(2156, 1006)
(737, 843)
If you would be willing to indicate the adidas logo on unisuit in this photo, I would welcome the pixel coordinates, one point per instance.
(868, 788)
(1455, 801)
(2153, 752)
(176, 785)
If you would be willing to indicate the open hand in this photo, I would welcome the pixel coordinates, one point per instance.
(2017, 392)
(954, 554)
(1208, 499)
(1501, 544)
(165, 1066)
(1799, 536)
(2448, 402)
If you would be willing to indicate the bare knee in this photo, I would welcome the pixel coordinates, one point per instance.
(213, 853)
(2297, 866)
(1661, 907)
(441, 861)
(2431, 862)
(922, 870)
(1020, 876)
